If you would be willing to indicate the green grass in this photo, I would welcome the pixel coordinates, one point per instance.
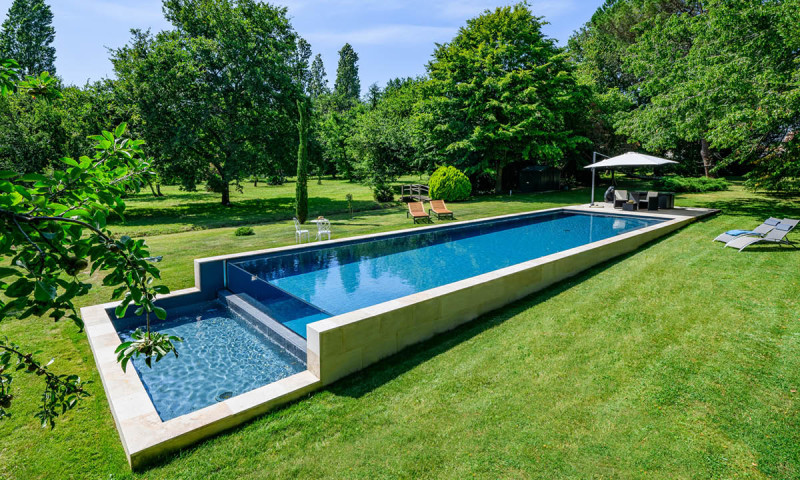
(681, 360)
(180, 211)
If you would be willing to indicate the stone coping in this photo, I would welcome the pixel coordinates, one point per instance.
(146, 437)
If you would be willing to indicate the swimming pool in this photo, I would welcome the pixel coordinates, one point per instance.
(300, 288)
(330, 275)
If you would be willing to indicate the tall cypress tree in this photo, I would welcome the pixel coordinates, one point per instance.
(347, 84)
(26, 36)
(301, 188)
(318, 84)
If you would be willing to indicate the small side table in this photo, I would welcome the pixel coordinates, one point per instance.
(630, 207)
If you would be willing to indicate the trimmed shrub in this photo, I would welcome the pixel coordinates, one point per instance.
(244, 231)
(449, 184)
(383, 193)
(691, 184)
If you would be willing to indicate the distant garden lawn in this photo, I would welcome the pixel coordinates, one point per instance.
(680, 360)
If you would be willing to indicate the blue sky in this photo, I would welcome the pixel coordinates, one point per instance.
(393, 38)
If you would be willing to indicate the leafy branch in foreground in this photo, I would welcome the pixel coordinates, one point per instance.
(52, 228)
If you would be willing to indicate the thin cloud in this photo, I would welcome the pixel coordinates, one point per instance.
(384, 35)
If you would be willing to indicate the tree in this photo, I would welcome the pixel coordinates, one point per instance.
(301, 187)
(502, 92)
(388, 140)
(216, 95)
(347, 85)
(52, 229)
(318, 84)
(26, 36)
(722, 76)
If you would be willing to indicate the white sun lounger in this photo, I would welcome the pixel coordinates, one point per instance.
(759, 231)
(776, 235)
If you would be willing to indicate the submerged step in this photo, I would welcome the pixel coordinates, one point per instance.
(253, 311)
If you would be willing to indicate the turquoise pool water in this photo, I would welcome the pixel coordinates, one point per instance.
(222, 355)
(298, 288)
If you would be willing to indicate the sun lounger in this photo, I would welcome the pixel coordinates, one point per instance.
(439, 209)
(776, 235)
(759, 231)
(416, 210)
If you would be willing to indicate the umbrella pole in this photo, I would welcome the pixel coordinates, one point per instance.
(594, 159)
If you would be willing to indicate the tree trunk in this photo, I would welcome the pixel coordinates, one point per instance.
(152, 190)
(226, 194)
(255, 182)
(705, 154)
(158, 190)
(498, 187)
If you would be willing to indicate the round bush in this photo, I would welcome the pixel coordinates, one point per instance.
(244, 231)
(449, 184)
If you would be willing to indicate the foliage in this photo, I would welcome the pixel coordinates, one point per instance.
(217, 93)
(387, 139)
(318, 84)
(691, 184)
(449, 184)
(26, 36)
(383, 193)
(334, 126)
(348, 85)
(500, 92)
(244, 231)
(711, 81)
(301, 185)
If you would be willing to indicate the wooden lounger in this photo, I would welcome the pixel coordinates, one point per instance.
(417, 211)
(439, 209)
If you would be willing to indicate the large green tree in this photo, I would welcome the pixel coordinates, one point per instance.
(26, 36)
(217, 94)
(348, 85)
(501, 92)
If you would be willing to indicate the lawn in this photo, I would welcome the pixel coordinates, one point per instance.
(681, 360)
(180, 211)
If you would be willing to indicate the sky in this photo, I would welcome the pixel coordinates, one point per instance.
(393, 38)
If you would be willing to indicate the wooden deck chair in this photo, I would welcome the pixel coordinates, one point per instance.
(439, 209)
(416, 210)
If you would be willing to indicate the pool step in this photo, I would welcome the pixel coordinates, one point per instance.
(247, 307)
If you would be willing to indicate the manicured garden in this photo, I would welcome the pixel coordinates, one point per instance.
(680, 360)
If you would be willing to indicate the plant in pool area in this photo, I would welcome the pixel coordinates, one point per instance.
(244, 231)
(449, 184)
(383, 193)
(52, 227)
(349, 198)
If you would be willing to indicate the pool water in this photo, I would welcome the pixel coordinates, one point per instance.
(303, 287)
(221, 356)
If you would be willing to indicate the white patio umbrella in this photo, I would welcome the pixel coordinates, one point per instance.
(630, 159)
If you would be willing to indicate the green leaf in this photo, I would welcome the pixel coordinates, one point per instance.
(120, 130)
(44, 292)
(20, 288)
(160, 312)
(5, 271)
(69, 161)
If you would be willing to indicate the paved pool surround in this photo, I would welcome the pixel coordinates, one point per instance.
(343, 344)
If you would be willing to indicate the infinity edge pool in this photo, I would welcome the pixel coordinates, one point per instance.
(342, 344)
